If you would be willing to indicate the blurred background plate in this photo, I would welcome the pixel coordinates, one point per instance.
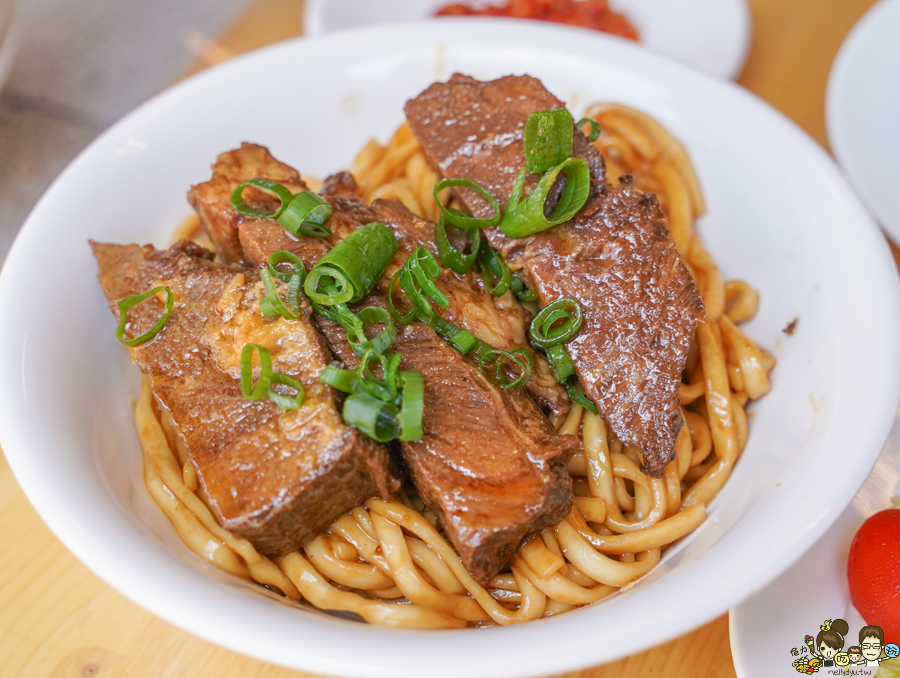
(863, 111)
(710, 35)
(8, 33)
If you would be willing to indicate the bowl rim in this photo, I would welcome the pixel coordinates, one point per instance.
(119, 571)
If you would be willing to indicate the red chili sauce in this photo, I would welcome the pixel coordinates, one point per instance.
(594, 14)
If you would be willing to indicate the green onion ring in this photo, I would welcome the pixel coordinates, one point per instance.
(371, 315)
(353, 265)
(522, 292)
(593, 135)
(493, 264)
(576, 395)
(413, 405)
(457, 218)
(375, 418)
(385, 389)
(250, 391)
(285, 257)
(547, 139)
(285, 402)
(281, 192)
(127, 303)
(496, 374)
(399, 318)
(272, 305)
(306, 214)
(526, 217)
(337, 378)
(454, 259)
(544, 330)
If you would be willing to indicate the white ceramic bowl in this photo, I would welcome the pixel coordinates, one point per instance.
(863, 110)
(780, 215)
(712, 36)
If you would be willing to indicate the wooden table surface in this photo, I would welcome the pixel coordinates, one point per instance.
(58, 619)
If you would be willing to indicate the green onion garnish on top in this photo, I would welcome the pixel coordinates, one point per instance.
(547, 139)
(349, 271)
(493, 266)
(306, 214)
(526, 217)
(302, 214)
(127, 303)
(576, 394)
(271, 304)
(454, 259)
(593, 135)
(267, 377)
(459, 219)
(556, 324)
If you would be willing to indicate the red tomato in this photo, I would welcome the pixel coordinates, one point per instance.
(873, 570)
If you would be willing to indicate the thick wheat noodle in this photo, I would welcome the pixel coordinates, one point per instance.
(670, 145)
(390, 551)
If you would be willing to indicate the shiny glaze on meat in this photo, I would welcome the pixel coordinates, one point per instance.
(616, 258)
(276, 478)
(489, 464)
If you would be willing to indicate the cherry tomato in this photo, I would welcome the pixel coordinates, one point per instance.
(873, 570)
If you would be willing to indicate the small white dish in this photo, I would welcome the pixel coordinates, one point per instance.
(712, 36)
(767, 626)
(807, 245)
(863, 111)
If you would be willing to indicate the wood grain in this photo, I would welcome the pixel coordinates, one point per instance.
(57, 619)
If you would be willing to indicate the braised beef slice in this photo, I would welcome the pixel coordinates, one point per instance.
(640, 303)
(276, 478)
(489, 464)
(480, 442)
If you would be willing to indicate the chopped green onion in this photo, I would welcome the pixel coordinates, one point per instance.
(272, 305)
(416, 279)
(454, 259)
(285, 257)
(413, 405)
(132, 300)
(385, 389)
(267, 377)
(527, 217)
(286, 402)
(556, 323)
(493, 264)
(547, 139)
(355, 324)
(593, 135)
(463, 341)
(349, 271)
(457, 218)
(520, 290)
(337, 378)
(281, 192)
(250, 391)
(576, 395)
(492, 365)
(306, 214)
(375, 418)
(560, 363)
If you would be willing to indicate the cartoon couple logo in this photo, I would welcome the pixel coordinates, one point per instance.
(827, 650)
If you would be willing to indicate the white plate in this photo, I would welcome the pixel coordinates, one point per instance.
(808, 245)
(765, 628)
(863, 111)
(712, 36)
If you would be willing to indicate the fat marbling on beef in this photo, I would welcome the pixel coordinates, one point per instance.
(489, 464)
(616, 257)
(276, 478)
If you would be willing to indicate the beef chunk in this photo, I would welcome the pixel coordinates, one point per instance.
(276, 478)
(640, 304)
